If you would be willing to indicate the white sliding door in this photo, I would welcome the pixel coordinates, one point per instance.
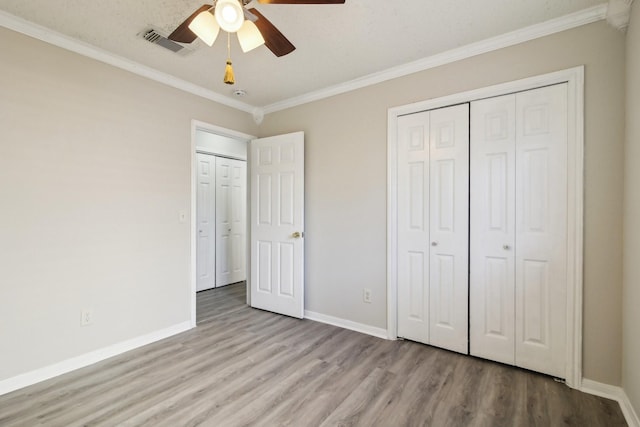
(518, 265)
(433, 208)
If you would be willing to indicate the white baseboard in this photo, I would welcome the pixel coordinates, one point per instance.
(346, 324)
(615, 393)
(42, 374)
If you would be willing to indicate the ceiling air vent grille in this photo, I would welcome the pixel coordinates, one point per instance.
(155, 37)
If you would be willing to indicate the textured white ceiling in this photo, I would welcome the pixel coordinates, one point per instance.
(335, 43)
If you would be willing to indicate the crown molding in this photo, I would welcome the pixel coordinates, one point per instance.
(55, 38)
(553, 26)
(619, 13)
(567, 22)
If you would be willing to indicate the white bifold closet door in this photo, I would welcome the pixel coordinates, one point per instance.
(518, 229)
(433, 218)
(231, 220)
(205, 219)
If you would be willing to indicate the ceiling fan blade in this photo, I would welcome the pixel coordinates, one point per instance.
(273, 38)
(183, 34)
(301, 1)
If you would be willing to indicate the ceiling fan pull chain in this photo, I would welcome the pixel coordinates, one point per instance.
(228, 71)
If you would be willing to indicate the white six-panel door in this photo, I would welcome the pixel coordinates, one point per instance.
(277, 224)
(541, 229)
(413, 226)
(433, 211)
(518, 264)
(449, 227)
(231, 202)
(205, 204)
(492, 229)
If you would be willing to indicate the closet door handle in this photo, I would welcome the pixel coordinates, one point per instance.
(506, 247)
(434, 243)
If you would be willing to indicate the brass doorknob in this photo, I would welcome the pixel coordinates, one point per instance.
(296, 235)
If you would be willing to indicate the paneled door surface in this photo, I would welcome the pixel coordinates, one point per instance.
(518, 264)
(541, 229)
(492, 225)
(231, 220)
(277, 224)
(449, 228)
(205, 205)
(433, 164)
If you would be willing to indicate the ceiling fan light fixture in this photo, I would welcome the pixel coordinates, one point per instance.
(229, 14)
(249, 36)
(205, 27)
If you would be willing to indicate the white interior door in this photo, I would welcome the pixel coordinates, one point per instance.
(518, 266)
(413, 226)
(205, 218)
(277, 224)
(492, 229)
(231, 177)
(541, 229)
(449, 228)
(433, 163)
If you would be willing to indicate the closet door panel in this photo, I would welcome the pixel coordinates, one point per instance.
(413, 227)
(231, 184)
(449, 219)
(239, 220)
(205, 217)
(492, 229)
(223, 222)
(541, 212)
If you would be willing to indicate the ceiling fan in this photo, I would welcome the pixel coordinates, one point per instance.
(234, 16)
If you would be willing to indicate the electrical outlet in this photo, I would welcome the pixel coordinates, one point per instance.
(366, 295)
(86, 317)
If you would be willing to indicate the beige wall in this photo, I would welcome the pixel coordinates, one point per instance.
(631, 294)
(346, 179)
(94, 167)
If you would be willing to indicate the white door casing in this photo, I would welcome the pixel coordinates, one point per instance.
(277, 224)
(205, 206)
(433, 227)
(231, 178)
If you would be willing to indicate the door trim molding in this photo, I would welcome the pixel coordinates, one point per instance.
(197, 125)
(574, 77)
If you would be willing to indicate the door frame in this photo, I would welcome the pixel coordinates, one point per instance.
(196, 126)
(574, 77)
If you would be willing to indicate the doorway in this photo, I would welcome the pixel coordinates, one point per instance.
(221, 218)
(573, 78)
(215, 142)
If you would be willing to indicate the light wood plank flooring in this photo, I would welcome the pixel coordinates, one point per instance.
(246, 367)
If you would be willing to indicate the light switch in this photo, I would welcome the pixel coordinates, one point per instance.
(182, 215)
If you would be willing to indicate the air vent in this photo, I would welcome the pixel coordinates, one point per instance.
(155, 37)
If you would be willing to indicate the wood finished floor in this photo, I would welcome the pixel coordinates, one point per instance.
(245, 367)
